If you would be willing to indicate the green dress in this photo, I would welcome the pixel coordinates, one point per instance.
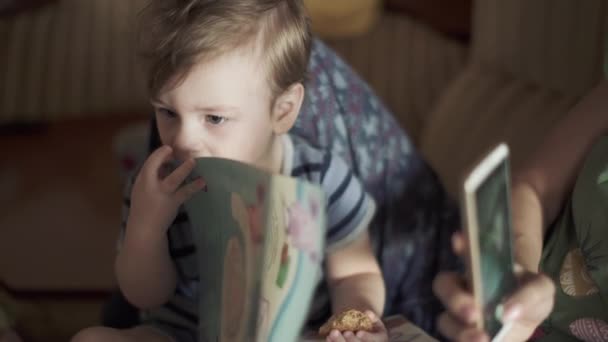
(575, 255)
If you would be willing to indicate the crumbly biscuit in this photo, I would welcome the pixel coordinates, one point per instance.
(350, 320)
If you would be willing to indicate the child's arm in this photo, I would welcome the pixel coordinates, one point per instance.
(144, 269)
(540, 188)
(145, 272)
(355, 279)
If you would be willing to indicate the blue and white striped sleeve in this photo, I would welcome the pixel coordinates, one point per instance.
(350, 208)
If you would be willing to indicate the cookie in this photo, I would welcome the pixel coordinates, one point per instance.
(350, 320)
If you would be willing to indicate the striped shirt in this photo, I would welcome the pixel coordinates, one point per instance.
(349, 211)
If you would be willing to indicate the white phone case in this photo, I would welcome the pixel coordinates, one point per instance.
(470, 220)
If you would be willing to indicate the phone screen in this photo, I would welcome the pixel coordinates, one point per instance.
(496, 260)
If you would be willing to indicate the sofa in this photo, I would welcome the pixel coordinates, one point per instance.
(70, 67)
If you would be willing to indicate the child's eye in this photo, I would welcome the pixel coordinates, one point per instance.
(215, 119)
(166, 113)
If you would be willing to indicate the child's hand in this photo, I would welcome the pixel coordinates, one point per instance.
(378, 333)
(155, 198)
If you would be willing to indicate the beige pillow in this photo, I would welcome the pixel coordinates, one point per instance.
(343, 18)
(482, 108)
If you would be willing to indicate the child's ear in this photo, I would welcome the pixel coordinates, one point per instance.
(286, 108)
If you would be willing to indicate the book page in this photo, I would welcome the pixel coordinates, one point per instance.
(293, 254)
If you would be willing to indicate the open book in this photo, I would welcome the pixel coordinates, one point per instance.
(260, 241)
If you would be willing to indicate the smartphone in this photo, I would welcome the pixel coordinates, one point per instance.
(487, 217)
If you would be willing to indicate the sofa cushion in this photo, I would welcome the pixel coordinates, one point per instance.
(343, 18)
(480, 109)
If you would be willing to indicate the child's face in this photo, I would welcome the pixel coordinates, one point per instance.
(221, 109)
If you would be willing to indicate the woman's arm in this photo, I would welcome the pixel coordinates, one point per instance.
(542, 185)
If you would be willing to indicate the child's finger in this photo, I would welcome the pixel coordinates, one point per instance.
(335, 336)
(449, 288)
(365, 336)
(349, 336)
(172, 182)
(157, 159)
(185, 192)
(372, 316)
(378, 326)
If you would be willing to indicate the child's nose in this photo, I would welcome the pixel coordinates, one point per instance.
(188, 145)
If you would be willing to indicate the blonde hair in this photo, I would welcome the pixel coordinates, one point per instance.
(175, 35)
